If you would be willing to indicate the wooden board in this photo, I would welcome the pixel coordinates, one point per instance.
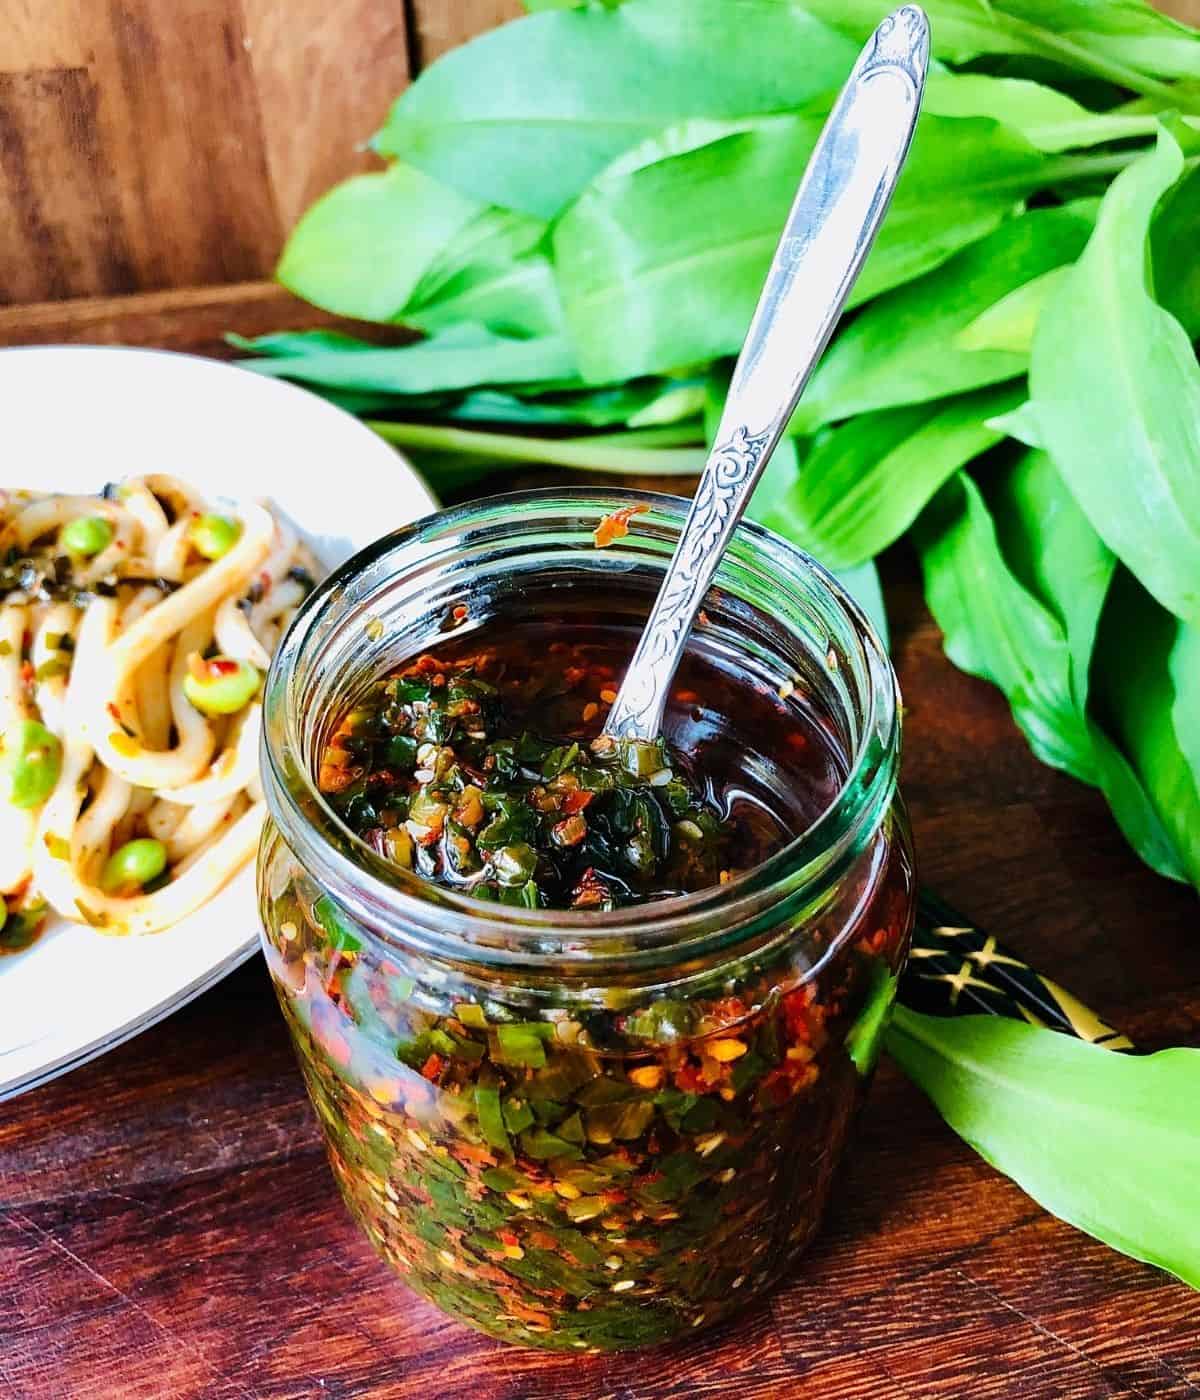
(167, 143)
(169, 1228)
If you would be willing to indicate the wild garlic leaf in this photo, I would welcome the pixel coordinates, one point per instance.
(363, 247)
(770, 506)
(525, 115)
(1139, 705)
(1106, 1142)
(895, 351)
(661, 265)
(1047, 118)
(1053, 552)
(995, 628)
(494, 272)
(1116, 392)
(864, 482)
(637, 404)
(1123, 41)
(1173, 249)
(1009, 323)
(454, 359)
(1184, 666)
(1019, 423)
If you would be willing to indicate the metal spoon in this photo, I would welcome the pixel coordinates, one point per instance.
(838, 209)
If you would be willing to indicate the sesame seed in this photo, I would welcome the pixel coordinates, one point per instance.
(624, 1285)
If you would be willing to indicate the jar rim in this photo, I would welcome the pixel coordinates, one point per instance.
(381, 892)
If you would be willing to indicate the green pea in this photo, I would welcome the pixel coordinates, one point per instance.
(214, 535)
(220, 686)
(86, 535)
(32, 760)
(133, 865)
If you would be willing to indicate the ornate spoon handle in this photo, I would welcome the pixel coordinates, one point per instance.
(841, 201)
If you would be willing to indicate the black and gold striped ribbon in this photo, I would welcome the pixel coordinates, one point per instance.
(955, 968)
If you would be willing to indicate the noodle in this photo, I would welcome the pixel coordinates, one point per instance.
(101, 642)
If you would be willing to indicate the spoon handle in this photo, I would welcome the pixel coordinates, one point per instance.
(841, 201)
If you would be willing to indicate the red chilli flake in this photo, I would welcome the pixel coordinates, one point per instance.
(615, 525)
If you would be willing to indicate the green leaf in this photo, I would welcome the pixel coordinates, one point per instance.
(638, 403)
(454, 359)
(1009, 323)
(770, 506)
(495, 273)
(525, 115)
(865, 1036)
(1184, 666)
(1106, 1142)
(865, 481)
(361, 249)
(1047, 118)
(1123, 41)
(646, 452)
(1019, 423)
(894, 352)
(1173, 245)
(995, 628)
(661, 265)
(1116, 390)
(1139, 701)
(1054, 553)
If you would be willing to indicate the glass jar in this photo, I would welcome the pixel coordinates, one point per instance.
(577, 1129)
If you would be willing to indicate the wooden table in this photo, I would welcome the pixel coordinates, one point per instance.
(168, 1226)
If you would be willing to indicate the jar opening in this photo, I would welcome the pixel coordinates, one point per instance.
(773, 612)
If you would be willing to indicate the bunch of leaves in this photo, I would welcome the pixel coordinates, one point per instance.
(573, 226)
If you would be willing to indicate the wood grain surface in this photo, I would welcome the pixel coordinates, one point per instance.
(169, 1228)
(167, 143)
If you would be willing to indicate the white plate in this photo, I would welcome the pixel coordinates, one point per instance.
(72, 418)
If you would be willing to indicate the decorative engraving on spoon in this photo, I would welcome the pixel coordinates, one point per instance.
(729, 467)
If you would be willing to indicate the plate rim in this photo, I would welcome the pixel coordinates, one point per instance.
(360, 439)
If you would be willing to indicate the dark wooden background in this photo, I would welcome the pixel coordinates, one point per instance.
(147, 144)
(169, 1228)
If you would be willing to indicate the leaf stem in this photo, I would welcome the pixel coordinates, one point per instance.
(650, 451)
(1085, 167)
